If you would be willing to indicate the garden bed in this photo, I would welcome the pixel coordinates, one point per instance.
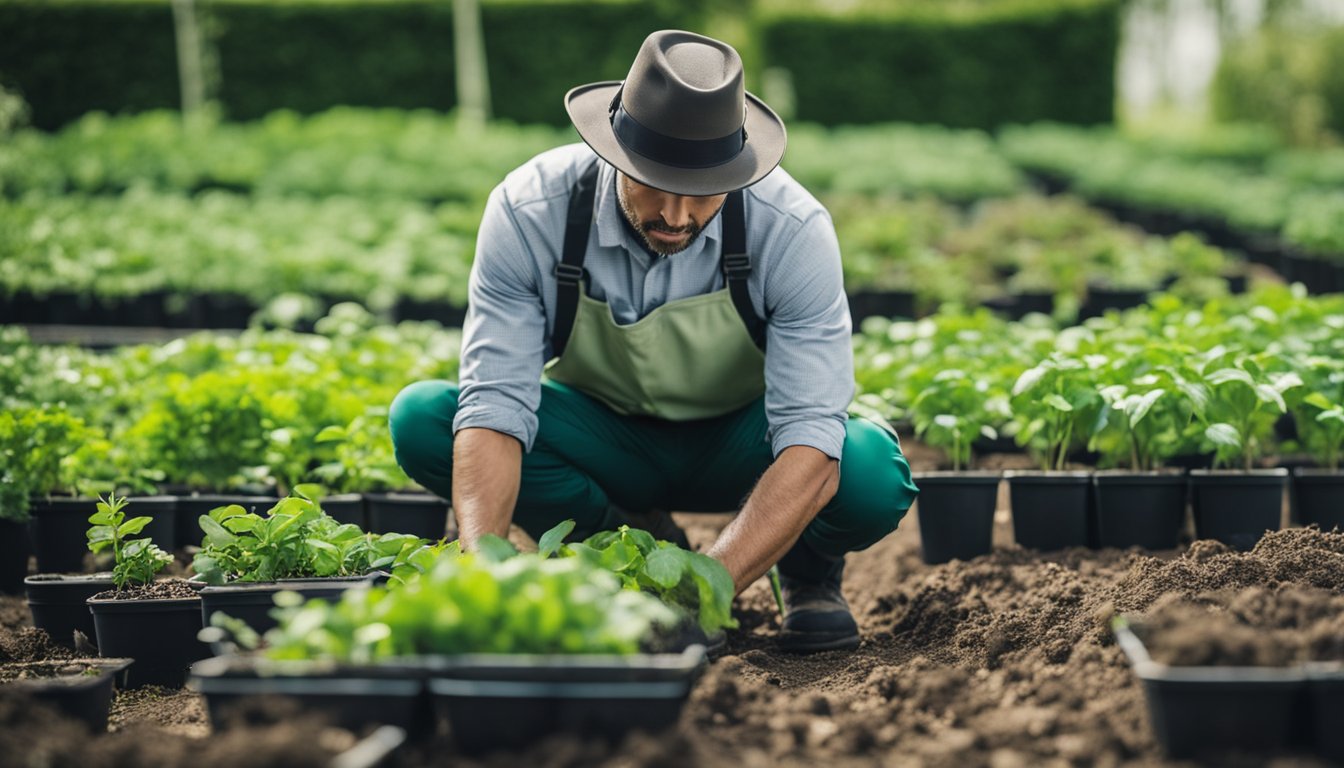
(1006, 659)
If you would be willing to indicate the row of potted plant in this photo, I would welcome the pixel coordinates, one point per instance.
(1167, 386)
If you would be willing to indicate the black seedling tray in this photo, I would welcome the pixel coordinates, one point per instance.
(1050, 509)
(1196, 710)
(956, 514)
(1141, 509)
(253, 602)
(86, 697)
(489, 701)
(353, 697)
(58, 603)
(1237, 508)
(159, 634)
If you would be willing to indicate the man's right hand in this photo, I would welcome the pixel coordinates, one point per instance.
(487, 466)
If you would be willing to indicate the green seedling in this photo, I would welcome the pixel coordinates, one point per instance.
(136, 560)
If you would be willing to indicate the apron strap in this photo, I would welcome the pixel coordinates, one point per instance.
(570, 272)
(736, 266)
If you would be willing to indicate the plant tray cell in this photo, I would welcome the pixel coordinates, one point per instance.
(1050, 509)
(489, 700)
(58, 604)
(353, 697)
(86, 698)
(1139, 509)
(1237, 508)
(956, 514)
(419, 514)
(159, 634)
(1196, 710)
(253, 602)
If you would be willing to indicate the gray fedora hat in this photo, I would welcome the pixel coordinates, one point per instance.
(681, 121)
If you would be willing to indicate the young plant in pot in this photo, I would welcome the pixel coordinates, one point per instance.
(1237, 506)
(508, 646)
(1051, 404)
(1318, 492)
(1142, 424)
(956, 508)
(363, 462)
(152, 621)
(249, 558)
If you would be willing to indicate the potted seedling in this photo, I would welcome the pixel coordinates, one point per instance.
(508, 647)
(1142, 424)
(1318, 493)
(152, 621)
(956, 508)
(249, 558)
(1051, 402)
(1236, 506)
(363, 463)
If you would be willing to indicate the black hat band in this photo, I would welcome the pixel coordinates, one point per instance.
(670, 150)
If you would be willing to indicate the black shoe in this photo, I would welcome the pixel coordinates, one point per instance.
(656, 522)
(817, 618)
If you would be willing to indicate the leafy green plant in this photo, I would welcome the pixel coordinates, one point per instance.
(136, 560)
(1143, 422)
(361, 455)
(294, 539)
(695, 584)
(1055, 404)
(1319, 409)
(1244, 400)
(475, 603)
(954, 411)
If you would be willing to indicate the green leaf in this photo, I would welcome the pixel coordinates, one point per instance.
(1224, 375)
(666, 566)
(223, 513)
(495, 549)
(1224, 435)
(716, 592)
(101, 518)
(1057, 402)
(1142, 406)
(310, 491)
(1028, 379)
(1314, 399)
(643, 540)
(551, 540)
(331, 434)
(216, 535)
(134, 526)
(1268, 394)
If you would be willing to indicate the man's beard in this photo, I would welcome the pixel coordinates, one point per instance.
(657, 246)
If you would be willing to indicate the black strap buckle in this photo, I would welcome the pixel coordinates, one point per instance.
(569, 274)
(736, 264)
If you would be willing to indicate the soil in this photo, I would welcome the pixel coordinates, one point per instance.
(166, 589)
(1003, 661)
(74, 670)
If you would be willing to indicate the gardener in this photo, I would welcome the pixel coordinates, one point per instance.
(658, 322)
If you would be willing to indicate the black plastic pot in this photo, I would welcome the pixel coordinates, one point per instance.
(1050, 509)
(865, 303)
(1318, 498)
(84, 697)
(1139, 509)
(1018, 305)
(1237, 507)
(489, 701)
(13, 556)
(190, 509)
(1325, 697)
(1196, 710)
(351, 697)
(59, 525)
(1102, 298)
(253, 602)
(59, 605)
(956, 514)
(347, 508)
(159, 634)
(419, 514)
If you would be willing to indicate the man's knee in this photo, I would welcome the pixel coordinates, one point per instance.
(421, 418)
(875, 480)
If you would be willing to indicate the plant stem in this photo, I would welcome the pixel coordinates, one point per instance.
(777, 589)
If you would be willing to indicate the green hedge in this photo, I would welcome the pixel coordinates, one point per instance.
(68, 57)
(973, 66)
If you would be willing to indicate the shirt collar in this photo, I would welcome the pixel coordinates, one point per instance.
(612, 234)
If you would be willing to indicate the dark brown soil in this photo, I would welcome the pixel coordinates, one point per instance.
(73, 669)
(1003, 661)
(30, 644)
(166, 589)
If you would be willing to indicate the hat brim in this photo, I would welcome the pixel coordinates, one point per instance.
(588, 110)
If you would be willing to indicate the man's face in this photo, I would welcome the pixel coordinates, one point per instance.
(667, 223)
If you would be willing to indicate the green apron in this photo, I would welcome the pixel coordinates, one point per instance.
(693, 358)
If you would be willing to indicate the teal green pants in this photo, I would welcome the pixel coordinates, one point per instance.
(587, 458)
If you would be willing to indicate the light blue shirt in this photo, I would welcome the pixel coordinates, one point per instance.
(796, 284)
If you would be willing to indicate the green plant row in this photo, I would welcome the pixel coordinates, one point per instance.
(213, 411)
(1271, 195)
(1140, 387)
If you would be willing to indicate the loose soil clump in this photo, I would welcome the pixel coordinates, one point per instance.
(166, 589)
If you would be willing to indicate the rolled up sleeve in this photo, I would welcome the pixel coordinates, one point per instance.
(809, 362)
(504, 334)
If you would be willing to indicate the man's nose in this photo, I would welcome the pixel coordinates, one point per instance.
(675, 211)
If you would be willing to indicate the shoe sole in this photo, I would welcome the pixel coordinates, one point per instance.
(802, 642)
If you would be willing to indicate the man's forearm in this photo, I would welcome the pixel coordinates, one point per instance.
(790, 493)
(487, 466)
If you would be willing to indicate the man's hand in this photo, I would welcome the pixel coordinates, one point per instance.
(487, 466)
(790, 493)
